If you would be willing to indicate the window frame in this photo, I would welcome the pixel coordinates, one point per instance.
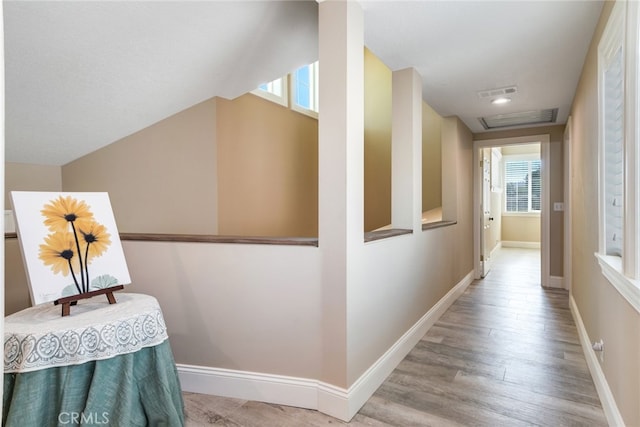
(623, 272)
(282, 99)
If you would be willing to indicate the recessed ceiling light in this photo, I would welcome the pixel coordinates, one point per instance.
(501, 100)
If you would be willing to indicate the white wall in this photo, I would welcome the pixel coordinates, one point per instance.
(254, 308)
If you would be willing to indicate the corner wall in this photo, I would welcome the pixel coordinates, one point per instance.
(22, 177)
(161, 179)
(267, 162)
(431, 158)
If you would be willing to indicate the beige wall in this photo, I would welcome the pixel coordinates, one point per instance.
(606, 315)
(23, 177)
(520, 228)
(16, 286)
(431, 158)
(556, 192)
(377, 145)
(267, 169)
(161, 179)
(377, 142)
(28, 177)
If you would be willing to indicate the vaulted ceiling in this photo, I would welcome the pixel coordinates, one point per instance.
(83, 74)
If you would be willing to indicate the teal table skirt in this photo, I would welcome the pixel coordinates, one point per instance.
(136, 389)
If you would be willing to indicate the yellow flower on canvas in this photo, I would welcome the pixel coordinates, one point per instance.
(58, 251)
(70, 244)
(63, 211)
(76, 238)
(95, 239)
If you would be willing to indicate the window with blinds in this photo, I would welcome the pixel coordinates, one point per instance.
(614, 155)
(523, 187)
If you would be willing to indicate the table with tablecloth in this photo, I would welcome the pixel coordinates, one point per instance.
(102, 365)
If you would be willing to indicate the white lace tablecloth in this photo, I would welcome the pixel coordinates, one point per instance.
(39, 337)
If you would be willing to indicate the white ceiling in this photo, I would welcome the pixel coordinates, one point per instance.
(81, 75)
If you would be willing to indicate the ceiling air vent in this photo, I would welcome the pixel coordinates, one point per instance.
(519, 119)
(493, 93)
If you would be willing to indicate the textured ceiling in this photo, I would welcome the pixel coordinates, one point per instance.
(81, 75)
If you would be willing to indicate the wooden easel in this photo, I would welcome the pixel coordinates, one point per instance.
(67, 302)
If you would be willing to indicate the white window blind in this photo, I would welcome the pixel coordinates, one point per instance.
(614, 155)
(523, 186)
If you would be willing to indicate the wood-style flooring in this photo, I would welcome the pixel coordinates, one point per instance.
(506, 353)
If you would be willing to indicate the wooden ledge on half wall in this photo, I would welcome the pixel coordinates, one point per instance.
(205, 238)
(437, 224)
(371, 236)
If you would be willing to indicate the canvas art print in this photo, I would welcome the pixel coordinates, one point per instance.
(70, 243)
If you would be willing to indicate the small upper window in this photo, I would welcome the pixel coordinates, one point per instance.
(275, 91)
(304, 87)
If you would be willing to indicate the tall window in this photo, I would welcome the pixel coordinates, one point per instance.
(613, 164)
(304, 87)
(619, 156)
(522, 186)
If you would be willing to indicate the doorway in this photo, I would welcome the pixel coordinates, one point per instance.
(511, 195)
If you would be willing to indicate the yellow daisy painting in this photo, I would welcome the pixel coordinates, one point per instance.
(70, 243)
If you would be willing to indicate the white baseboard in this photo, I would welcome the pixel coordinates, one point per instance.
(309, 393)
(495, 249)
(524, 245)
(278, 389)
(556, 282)
(369, 382)
(614, 418)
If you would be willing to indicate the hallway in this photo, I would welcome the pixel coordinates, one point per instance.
(505, 353)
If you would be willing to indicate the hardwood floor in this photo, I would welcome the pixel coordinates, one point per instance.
(506, 353)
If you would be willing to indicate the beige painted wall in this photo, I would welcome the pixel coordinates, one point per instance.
(267, 169)
(23, 177)
(556, 192)
(605, 313)
(377, 142)
(431, 158)
(28, 177)
(520, 228)
(16, 286)
(161, 179)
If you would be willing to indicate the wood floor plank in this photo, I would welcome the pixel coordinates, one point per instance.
(505, 353)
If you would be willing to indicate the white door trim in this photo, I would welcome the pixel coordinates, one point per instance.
(544, 141)
(566, 151)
